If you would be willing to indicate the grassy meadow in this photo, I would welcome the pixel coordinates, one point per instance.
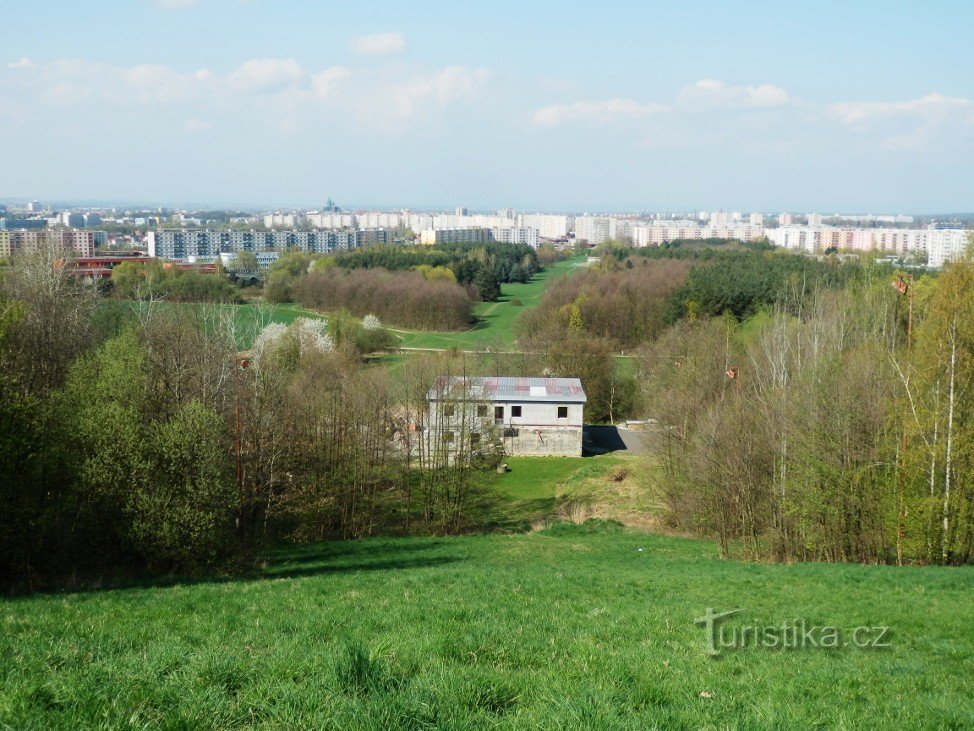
(575, 626)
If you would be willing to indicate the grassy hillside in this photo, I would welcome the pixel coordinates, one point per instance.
(566, 628)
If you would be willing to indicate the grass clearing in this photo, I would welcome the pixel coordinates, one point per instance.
(494, 328)
(567, 628)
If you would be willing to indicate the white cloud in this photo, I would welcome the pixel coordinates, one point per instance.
(324, 83)
(194, 126)
(175, 4)
(390, 97)
(704, 94)
(266, 75)
(928, 122)
(713, 93)
(931, 105)
(378, 44)
(22, 63)
(442, 87)
(601, 111)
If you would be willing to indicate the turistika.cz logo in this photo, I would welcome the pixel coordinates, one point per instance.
(793, 634)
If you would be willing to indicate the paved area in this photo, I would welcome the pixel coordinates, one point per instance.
(605, 439)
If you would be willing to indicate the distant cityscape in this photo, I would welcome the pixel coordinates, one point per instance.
(200, 237)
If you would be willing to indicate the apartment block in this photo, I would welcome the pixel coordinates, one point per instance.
(548, 226)
(516, 235)
(594, 229)
(81, 243)
(431, 236)
(181, 244)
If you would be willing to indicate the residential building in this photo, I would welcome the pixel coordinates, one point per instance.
(756, 219)
(523, 416)
(285, 220)
(8, 223)
(455, 236)
(330, 219)
(180, 244)
(516, 235)
(945, 245)
(549, 226)
(71, 219)
(814, 219)
(81, 243)
(721, 218)
(594, 229)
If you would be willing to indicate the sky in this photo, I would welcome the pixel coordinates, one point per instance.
(540, 105)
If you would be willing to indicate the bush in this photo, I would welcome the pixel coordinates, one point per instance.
(373, 341)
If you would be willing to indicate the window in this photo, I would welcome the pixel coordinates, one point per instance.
(511, 432)
(449, 410)
(562, 412)
(515, 411)
(482, 410)
(498, 412)
(448, 437)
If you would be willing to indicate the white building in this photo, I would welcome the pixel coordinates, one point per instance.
(71, 219)
(516, 235)
(327, 219)
(946, 245)
(523, 416)
(756, 219)
(284, 220)
(185, 243)
(814, 219)
(594, 229)
(549, 226)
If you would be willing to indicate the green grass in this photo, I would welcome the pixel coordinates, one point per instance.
(565, 628)
(494, 328)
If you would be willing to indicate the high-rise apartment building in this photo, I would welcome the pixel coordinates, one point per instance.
(182, 244)
(80, 243)
(549, 226)
(594, 229)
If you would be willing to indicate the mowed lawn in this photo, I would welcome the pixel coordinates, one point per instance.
(568, 628)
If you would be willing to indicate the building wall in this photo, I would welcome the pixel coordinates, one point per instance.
(181, 244)
(454, 236)
(81, 243)
(536, 432)
(515, 235)
(594, 229)
(549, 226)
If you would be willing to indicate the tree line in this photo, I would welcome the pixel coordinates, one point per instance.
(147, 443)
(834, 426)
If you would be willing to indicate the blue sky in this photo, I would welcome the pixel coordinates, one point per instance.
(828, 106)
